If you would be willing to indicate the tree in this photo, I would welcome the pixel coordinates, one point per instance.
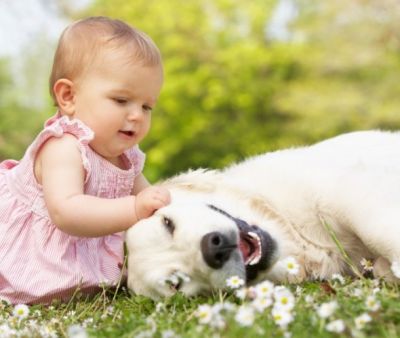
(349, 68)
(217, 104)
(18, 123)
(231, 91)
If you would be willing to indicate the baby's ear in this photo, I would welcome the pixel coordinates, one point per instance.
(65, 95)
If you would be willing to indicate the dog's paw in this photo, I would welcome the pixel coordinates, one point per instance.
(383, 269)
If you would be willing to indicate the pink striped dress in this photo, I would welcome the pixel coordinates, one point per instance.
(39, 262)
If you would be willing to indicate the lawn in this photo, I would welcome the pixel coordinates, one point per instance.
(339, 307)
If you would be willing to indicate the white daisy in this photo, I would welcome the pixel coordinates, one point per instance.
(281, 317)
(299, 290)
(234, 282)
(76, 331)
(159, 307)
(223, 306)
(228, 306)
(367, 265)
(169, 334)
(326, 310)
(21, 311)
(241, 293)
(104, 283)
(204, 313)
(264, 289)
(376, 290)
(361, 320)
(338, 277)
(245, 316)
(144, 334)
(372, 303)
(261, 303)
(6, 330)
(357, 292)
(218, 322)
(309, 299)
(336, 326)
(284, 299)
(291, 265)
(46, 331)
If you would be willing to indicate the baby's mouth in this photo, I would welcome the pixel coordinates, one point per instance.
(128, 133)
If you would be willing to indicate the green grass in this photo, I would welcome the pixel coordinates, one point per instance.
(121, 314)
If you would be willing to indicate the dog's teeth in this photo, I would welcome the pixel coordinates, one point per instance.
(254, 235)
(255, 260)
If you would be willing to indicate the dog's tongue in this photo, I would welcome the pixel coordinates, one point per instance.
(245, 249)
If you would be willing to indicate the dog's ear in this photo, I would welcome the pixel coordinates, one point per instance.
(195, 180)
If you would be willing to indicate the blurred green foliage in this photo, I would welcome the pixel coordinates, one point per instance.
(232, 91)
(18, 122)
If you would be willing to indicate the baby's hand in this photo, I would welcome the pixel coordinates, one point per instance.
(151, 199)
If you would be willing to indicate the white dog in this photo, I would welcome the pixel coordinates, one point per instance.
(245, 220)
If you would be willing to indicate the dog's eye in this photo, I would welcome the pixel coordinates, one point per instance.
(169, 225)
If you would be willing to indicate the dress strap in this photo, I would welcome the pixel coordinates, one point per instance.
(57, 126)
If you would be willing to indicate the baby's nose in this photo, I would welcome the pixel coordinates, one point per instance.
(136, 113)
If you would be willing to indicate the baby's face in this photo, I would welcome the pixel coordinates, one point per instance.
(115, 98)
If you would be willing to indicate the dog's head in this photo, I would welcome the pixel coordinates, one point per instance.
(194, 247)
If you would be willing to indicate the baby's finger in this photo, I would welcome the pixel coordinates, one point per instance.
(165, 195)
(163, 199)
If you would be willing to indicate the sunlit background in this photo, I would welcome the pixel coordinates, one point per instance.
(242, 77)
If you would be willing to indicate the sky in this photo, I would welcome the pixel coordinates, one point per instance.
(24, 22)
(284, 13)
(21, 21)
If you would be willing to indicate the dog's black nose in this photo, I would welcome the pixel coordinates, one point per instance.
(216, 249)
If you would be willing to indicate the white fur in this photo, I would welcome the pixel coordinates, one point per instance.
(352, 182)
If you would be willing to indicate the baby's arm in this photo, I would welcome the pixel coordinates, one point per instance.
(62, 175)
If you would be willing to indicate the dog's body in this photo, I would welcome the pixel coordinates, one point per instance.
(349, 184)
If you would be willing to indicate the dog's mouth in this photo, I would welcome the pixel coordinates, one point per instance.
(250, 247)
(257, 247)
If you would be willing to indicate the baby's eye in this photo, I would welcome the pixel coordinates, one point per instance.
(120, 100)
(147, 108)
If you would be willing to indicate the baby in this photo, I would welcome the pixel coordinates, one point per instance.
(65, 205)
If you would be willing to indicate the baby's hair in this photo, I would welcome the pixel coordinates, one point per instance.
(81, 42)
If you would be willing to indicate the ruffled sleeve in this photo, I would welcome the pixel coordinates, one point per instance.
(137, 158)
(58, 126)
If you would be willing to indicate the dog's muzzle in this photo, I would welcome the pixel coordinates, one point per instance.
(256, 246)
(217, 248)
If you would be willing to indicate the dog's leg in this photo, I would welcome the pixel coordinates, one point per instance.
(382, 269)
(379, 230)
